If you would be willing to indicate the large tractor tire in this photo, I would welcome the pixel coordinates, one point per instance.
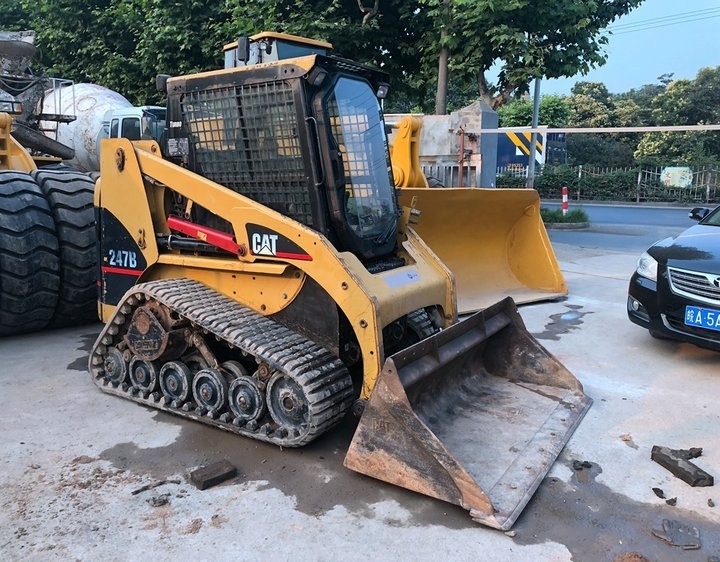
(69, 194)
(29, 256)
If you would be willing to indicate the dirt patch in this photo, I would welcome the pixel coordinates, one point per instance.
(314, 474)
(595, 523)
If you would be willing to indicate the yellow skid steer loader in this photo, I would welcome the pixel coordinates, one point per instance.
(258, 275)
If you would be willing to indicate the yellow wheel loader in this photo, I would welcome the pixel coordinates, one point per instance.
(47, 225)
(258, 275)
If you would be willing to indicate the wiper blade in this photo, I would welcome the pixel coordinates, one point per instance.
(390, 229)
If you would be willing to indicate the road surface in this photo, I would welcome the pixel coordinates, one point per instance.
(88, 476)
(627, 228)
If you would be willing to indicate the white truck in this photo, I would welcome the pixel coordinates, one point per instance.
(100, 113)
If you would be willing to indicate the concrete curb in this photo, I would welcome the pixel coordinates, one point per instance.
(567, 225)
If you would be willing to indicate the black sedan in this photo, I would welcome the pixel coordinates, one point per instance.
(675, 290)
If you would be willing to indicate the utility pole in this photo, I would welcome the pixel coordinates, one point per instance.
(533, 136)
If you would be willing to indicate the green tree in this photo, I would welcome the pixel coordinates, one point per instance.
(685, 102)
(14, 16)
(597, 91)
(524, 38)
(553, 112)
(643, 98)
(122, 44)
(592, 105)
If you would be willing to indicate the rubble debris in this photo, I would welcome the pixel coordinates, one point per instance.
(676, 534)
(579, 465)
(678, 462)
(711, 503)
(628, 440)
(671, 501)
(159, 501)
(630, 557)
(659, 493)
(582, 471)
(154, 485)
(212, 474)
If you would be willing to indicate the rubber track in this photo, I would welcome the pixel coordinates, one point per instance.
(323, 377)
(421, 324)
(29, 256)
(69, 194)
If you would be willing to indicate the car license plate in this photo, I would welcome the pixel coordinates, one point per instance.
(702, 317)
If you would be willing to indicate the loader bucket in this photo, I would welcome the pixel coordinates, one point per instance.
(474, 415)
(493, 241)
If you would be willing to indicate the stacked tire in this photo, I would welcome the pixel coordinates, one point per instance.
(47, 250)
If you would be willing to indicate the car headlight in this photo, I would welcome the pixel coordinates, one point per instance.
(647, 266)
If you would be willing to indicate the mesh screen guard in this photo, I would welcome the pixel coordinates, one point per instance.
(245, 138)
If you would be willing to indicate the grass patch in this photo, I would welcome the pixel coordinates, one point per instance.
(556, 215)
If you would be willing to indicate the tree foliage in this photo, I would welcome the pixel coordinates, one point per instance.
(523, 39)
(685, 102)
(122, 44)
(553, 112)
(494, 48)
(14, 16)
(668, 102)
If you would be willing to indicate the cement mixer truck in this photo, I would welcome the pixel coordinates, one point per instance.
(50, 131)
(99, 113)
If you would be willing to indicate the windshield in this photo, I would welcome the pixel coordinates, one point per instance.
(153, 123)
(358, 129)
(713, 219)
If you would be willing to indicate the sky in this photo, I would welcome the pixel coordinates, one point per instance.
(659, 37)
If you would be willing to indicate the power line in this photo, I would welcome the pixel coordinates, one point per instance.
(637, 129)
(665, 21)
(663, 18)
(673, 23)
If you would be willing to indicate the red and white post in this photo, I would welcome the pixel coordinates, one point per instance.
(564, 201)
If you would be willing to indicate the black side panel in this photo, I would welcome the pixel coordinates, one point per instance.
(120, 260)
(313, 314)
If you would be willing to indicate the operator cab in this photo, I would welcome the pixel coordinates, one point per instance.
(302, 135)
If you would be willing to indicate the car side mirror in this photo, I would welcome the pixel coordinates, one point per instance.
(698, 213)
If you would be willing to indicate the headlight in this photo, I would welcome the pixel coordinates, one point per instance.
(11, 107)
(647, 266)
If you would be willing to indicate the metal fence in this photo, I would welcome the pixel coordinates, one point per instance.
(449, 175)
(705, 186)
(634, 184)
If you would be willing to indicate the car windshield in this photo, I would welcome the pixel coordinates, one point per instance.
(713, 219)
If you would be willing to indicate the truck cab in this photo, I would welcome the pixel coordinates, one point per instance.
(136, 123)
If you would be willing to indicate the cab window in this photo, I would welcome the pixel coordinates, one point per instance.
(131, 128)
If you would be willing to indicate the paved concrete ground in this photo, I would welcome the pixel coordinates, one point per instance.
(72, 458)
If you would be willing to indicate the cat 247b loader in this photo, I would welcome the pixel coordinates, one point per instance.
(258, 275)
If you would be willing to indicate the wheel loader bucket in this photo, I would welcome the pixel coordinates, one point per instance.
(474, 415)
(493, 240)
